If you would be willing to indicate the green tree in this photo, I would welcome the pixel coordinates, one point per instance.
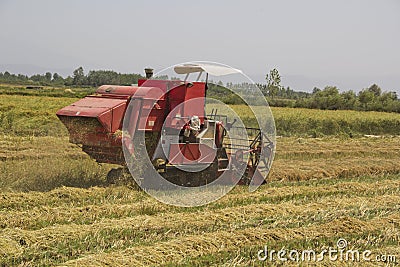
(366, 98)
(273, 82)
(315, 90)
(37, 78)
(68, 81)
(349, 100)
(48, 76)
(57, 79)
(100, 77)
(78, 77)
(329, 98)
(56, 76)
(375, 89)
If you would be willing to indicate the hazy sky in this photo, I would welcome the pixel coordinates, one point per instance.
(351, 44)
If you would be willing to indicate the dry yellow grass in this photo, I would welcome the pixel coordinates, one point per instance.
(57, 209)
(310, 158)
(198, 245)
(36, 214)
(108, 234)
(296, 159)
(225, 218)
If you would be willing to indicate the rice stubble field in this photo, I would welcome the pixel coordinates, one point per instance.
(57, 208)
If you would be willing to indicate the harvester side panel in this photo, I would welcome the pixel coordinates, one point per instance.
(196, 97)
(191, 153)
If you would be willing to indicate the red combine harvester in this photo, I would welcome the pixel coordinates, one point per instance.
(176, 130)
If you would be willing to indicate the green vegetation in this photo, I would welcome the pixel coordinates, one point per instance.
(94, 78)
(72, 92)
(330, 98)
(44, 163)
(32, 115)
(317, 123)
(369, 99)
(23, 115)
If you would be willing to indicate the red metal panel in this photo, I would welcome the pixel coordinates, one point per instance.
(147, 106)
(176, 96)
(118, 113)
(76, 111)
(112, 118)
(90, 106)
(132, 116)
(196, 95)
(164, 85)
(105, 119)
(155, 120)
(191, 153)
(95, 107)
(116, 90)
(92, 120)
(219, 135)
(157, 115)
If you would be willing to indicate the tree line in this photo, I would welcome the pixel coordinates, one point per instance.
(368, 99)
(94, 78)
(372, 98)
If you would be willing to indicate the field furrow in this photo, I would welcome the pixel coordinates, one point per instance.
(287, 212)
(197, 245)
(36, 216)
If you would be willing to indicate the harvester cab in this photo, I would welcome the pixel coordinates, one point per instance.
(186, 146)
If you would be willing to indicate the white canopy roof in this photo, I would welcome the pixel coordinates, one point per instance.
(215, 70)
